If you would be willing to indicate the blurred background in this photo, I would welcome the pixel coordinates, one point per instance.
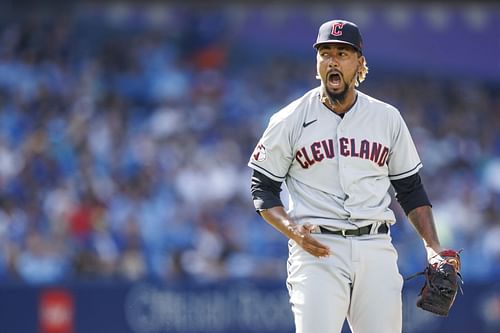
(125, 130)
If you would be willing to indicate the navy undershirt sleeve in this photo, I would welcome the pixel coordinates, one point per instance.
(265, 192)
(410, 193)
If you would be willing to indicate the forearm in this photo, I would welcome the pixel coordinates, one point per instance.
(301, 234)
(423, 221)
(265, 194)
(279, 219)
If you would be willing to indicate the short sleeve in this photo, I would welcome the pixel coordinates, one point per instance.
(403, 159)
(274, 153)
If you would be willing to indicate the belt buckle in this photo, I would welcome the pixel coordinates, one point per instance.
(343, 233)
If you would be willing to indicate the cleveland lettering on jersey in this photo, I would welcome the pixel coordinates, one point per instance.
(318, 150)
(349, 147)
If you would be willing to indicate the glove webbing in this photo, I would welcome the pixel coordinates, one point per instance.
(411, 277)
(455, 264)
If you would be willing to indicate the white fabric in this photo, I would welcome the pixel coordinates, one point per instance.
(337, 170)
(320, 288)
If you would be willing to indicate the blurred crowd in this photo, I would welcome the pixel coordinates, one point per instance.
(123, 154)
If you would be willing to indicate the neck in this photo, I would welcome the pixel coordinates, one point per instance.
(336, 106)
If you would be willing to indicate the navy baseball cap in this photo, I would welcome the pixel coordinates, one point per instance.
(339, 31)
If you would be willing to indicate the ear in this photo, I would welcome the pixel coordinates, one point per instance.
(361, 61)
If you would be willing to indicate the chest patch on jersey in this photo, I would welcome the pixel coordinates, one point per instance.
(307, 156)
(259, 153)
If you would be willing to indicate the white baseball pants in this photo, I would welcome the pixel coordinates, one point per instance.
(360, 281)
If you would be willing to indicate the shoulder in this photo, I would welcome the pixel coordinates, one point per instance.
(377, 110)
(295, 111)
(372, 104)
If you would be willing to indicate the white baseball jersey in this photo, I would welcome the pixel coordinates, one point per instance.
(337, 170)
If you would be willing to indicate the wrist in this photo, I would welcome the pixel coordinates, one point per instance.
(291, 228)
(433, 251)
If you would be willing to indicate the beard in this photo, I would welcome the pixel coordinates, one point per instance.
(337, 97)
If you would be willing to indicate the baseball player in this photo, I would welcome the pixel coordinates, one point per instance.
(339, 150)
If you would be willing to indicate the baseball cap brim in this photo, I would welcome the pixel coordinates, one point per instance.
(335, 41)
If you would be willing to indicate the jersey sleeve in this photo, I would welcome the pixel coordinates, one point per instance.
(274, 153)
(403, 158)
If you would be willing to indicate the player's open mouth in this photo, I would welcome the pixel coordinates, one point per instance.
(334, 80)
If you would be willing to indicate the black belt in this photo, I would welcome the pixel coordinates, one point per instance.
(383, 229)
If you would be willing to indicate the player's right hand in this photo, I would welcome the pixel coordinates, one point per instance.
(303, 237)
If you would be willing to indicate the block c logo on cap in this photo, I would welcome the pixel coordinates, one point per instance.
(337, 29)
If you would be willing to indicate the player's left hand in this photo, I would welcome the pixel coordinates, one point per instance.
(443, 280)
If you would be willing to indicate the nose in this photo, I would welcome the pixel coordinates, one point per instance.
(333, 62)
